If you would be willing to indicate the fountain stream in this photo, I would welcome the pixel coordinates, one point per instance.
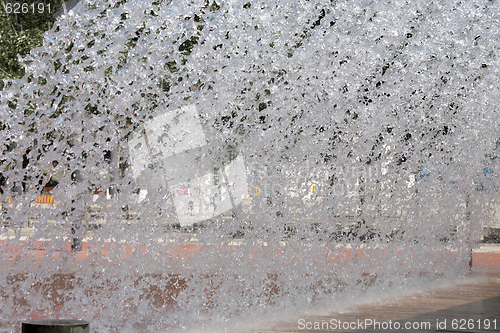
(183, 163)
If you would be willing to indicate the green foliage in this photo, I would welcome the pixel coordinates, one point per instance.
(214, 7)
(187, 46)
(19, 33)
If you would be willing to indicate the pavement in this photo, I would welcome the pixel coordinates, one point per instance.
(467, 305)
(470, 305)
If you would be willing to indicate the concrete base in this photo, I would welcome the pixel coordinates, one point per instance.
(55, 326)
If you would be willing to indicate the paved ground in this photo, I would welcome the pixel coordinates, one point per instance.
(473, 306)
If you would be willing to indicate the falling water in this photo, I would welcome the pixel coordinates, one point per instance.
(226, 159)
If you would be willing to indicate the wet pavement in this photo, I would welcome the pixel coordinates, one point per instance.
(470, 306)
(473, 305)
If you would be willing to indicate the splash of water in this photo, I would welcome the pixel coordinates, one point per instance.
(360, 128)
